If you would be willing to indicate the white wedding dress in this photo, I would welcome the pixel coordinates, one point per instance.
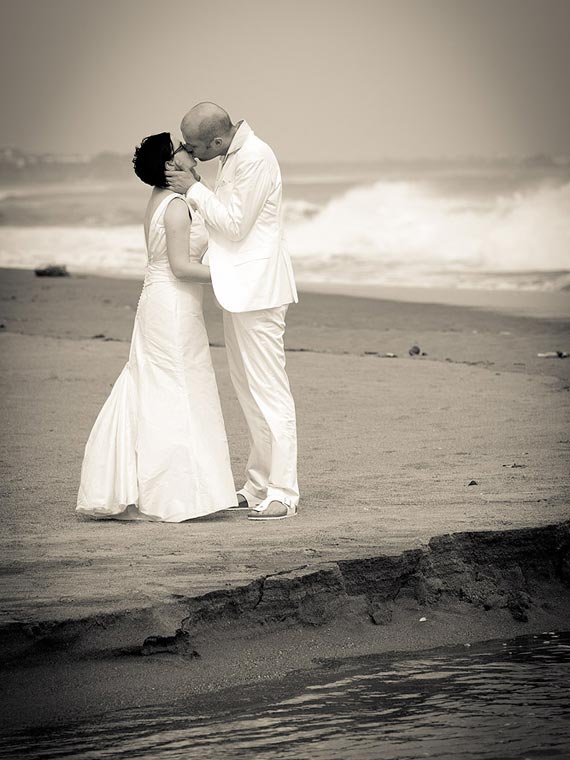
(158, 449)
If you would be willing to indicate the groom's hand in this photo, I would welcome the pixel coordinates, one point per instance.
(180, 181)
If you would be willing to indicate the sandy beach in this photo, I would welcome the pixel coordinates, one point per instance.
(389, 450)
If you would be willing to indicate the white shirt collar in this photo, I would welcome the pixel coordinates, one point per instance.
(243, 132)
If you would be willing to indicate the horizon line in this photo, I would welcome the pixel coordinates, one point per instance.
(513, 157)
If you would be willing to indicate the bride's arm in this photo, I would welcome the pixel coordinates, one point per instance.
(177, 226)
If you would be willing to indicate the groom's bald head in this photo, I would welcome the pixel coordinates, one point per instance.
(207, 130)
(206, 121)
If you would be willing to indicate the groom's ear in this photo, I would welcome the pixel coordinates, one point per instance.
(170, 165)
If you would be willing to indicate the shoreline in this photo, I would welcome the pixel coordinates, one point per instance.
(463, 589)
(540, 304)
(528, 303)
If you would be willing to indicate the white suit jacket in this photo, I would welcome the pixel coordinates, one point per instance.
(249, 262)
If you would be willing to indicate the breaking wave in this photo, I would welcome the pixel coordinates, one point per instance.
(392, 232)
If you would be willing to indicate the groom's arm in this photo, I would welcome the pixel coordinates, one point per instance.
(252, 185)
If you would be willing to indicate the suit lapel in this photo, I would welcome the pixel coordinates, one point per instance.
(239, 140)
(218, 175)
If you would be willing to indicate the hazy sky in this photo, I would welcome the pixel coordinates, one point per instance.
(318, 79)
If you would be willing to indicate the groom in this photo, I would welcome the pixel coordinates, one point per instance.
(253, 281)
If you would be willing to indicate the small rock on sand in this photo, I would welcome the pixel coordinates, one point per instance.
(177, 644)
(381, 615)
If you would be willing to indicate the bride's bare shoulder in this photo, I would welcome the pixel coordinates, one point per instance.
(177, 214)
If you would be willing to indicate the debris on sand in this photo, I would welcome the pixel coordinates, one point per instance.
(177, 644)
(52, 270)
(554, 355)
(414, 351)
(106, 338)
(472, 483)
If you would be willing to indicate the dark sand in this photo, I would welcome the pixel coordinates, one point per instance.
(387, 450)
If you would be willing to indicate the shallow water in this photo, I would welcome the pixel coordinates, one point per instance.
(495, 700)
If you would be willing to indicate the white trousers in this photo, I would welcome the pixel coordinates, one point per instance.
(256, 357)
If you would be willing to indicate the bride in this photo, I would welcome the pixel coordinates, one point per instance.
(158, 449)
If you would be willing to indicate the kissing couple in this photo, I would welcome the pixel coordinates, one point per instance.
(158, 449)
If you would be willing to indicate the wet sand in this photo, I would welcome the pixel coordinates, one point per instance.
(388, 447)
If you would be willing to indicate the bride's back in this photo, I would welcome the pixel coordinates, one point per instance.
(155, 229)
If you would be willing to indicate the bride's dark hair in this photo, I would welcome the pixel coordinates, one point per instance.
(150, 158)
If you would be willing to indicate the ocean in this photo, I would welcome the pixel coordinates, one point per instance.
(492, 226)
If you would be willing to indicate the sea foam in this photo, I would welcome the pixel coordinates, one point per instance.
(408, 223)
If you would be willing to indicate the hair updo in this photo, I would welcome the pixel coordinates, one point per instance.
(150, 159)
